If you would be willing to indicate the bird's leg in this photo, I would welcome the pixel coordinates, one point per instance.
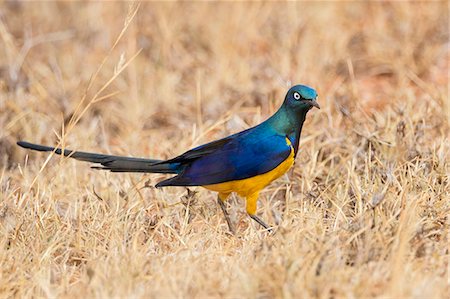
(251, 210)
(261, 222)
(221, 200)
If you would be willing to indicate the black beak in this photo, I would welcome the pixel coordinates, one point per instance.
(315, 104)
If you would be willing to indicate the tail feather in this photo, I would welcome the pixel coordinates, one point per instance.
(109, 162)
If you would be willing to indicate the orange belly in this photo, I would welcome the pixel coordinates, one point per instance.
(249, 186)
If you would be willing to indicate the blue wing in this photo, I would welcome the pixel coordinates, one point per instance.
(246, 154)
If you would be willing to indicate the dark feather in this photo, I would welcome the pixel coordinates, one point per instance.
(109, 162)
(199, 152)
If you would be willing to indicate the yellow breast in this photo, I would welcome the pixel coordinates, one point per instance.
(254, 184)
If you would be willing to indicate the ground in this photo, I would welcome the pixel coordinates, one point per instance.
(363, 213)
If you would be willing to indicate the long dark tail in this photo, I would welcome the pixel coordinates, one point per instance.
(108, 162)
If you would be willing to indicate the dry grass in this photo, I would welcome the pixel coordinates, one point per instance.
(364, 212)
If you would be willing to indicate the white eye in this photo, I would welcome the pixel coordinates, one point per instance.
(297, 96)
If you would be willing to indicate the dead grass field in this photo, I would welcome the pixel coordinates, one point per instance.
(363, 213)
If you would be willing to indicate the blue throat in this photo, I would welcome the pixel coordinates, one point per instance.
(288, 123)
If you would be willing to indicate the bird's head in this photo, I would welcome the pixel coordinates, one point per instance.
(301, 98)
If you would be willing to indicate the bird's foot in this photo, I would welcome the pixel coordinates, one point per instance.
(227, 216)
(261, 222)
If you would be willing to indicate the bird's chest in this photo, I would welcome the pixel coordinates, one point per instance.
(254, 184)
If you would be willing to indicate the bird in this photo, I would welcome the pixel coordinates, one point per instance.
(243, 163)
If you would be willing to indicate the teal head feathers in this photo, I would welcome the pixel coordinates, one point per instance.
(289, 119)
(291, 115)
(301, 98)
